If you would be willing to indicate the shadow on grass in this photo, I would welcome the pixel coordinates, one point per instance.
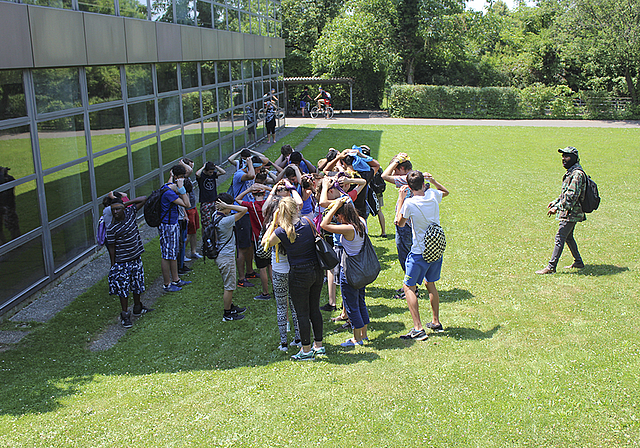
(454, 295)
(472, 334)
(597, 270)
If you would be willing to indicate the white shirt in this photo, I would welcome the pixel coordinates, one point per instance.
(422, 211)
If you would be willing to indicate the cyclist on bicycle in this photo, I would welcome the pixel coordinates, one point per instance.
(323, 98)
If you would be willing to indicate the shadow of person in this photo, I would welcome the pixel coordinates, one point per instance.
(599, 269)
(454, 295)
(461, 333)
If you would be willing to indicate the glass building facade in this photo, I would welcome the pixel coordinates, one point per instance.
(108, 96)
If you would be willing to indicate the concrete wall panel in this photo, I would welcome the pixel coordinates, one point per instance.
(105, 39)
(209, 44)
(15, 51)
(169, 42)
(225, 45)
(57, 37)
(140, 41)
(191, 43)
(237, 43)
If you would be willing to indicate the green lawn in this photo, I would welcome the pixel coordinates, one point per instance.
(525, 360)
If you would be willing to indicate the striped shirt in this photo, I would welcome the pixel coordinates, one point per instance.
(125, 236)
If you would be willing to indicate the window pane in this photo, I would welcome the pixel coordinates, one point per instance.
(227, 149)
(142, 119)
(247, 70)
(139, 80)
(72, 239)
(238, 118)
(226, 124)
(56, 89)
(224, 98)
(169, 111)
(15, 147)
(100, 7)
(65, 4)
(220, 16)
(248, 91)
(167, 77)
(185, 12)
(145, 157)
(21, 268)
(245, 22)
(112, 171)
(192, 137)
(19, 205)
(103, 84)
(250, 122)
(67, 190)
(208, 73)
(257, 68)
(146, 188)
(107, 128)
(209, 102)
(12, 103)
(205, 19)
(211, 133)
(190, 106)
(236, 74)
(133, 8)
(232, 20)
(61, 141)
(171, 146)
(237, 96)
(189, 74)
(223, 72)
(162, 11)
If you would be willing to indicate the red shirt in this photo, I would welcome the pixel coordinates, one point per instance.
(255, 215)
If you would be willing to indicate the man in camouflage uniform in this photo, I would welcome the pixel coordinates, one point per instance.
(568, 208)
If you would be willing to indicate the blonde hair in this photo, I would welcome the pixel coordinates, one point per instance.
(287, 214)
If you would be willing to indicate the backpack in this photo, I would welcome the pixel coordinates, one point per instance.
(378, 185)
(210, 237)
(153, 207)
(101, 232)
(591, 199)
(434, 243)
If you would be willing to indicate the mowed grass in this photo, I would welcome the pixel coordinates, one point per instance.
(524, 361)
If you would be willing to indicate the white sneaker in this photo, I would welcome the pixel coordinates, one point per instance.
(187, 260)
(283, 348)
(196, 256)
(295, 344)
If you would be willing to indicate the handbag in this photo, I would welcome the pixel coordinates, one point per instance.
(363, 268)
(434, 243)
(327, 257)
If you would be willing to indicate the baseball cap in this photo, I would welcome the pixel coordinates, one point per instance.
(569, 150)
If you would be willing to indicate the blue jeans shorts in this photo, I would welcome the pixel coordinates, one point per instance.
(418, 269)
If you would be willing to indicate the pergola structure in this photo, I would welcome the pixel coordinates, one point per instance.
(318, 81)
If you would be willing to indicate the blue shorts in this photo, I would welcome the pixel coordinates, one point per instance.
(169, 240)
(418, 269)
(126, 276)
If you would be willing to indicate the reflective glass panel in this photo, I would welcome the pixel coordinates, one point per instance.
(169, 111)
(21, 268)
(103, 84)
(167, 77)
(112, 171)
(162, 11)
(236, 70)
(211, 130)
(227, 149)
(72, 239)
(237, 94)
(97, 6)
(247, 70)
(189, 74)
(139, 80)
(193, 137)
(12, 102)
(186, 12)
(190, 106)
(133, 8)
(232, 20)
(145, 157)
(15, 148)
(61, 141)
(238, 118)
(19, 209)
(67, 190)
(171, 143)
(248, 91)
(146, 188)
(226, 124)
(107, 128)
(56, 89)
(224, 98)
(245, 22)
(220, 16)
(63, 4)
(257, 68)
(259, 128)
(142, 119)
(209, 102)
(204, 14)
(212, 153)
(250, 121)
(208, 73)
(223, 72)
(255, 6)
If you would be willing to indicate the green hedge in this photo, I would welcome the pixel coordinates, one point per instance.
(536, 101)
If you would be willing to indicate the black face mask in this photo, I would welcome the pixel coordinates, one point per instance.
(568, 163)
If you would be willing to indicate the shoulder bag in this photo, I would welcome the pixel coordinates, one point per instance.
(327, 257)
(363, 268)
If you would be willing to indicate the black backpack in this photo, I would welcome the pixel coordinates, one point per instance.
(591, 199)
(378, 185)
(210, 237)
(153, 207)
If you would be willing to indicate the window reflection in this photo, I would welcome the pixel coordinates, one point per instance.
(139, 80)
(145, 157)
(111, 171)
(56, 89)
(232, 20)
(107, 128)
(212, 153)
(204, 15)
(167, 77)
(72, 239)
(236, 74)
(133, 8)
(226, 124)
(67, 190)
(211, 133)
(12, 102)
(223, 72)
(20, 268)
(142, 119)
(208, 73)
(185, 12)
(192, 137)
(61, 140)
(103, 84)
(146, 188)
(190, 106)
(227, 149)
(63, 4)
(15, 148)
(189, 75)
(171, 143)
(220, 16)
(169, 111)
(97, 6)
(209, 102)
(162, 11)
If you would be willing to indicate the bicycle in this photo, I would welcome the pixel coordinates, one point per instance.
(316, 111)
(279, 113)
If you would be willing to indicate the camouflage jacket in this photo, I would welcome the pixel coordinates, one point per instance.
(569, 203)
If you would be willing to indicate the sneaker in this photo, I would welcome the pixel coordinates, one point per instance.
(435, 327)
(252, 275)
(171, 288)
(196, 256)
(302, 356)
(328, 307)
(142, 310)
(181, 283)
(227, 316)
(245, 284)
(237, 309)
(262, 297)
(283, 347)
(349, 343)
(415, 334)
(125, 319)
(319, 350)
(295, 344)
(187, 260)
(184, 270)
(545, 271)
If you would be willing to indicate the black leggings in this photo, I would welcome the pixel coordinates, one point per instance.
(305, 286)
